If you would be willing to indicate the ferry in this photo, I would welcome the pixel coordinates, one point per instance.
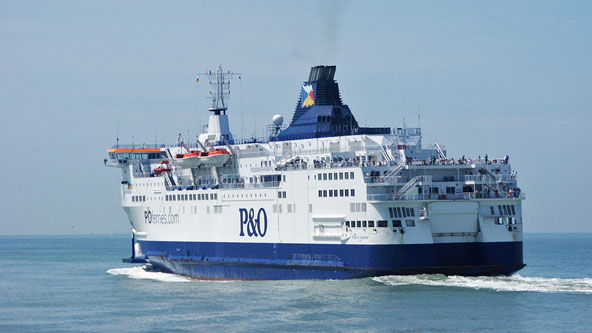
(321, 198)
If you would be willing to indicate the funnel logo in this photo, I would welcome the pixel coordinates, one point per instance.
(307, 96)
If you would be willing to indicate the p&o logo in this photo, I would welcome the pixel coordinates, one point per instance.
(256, 226)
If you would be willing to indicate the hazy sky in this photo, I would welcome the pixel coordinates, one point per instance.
(499, 78)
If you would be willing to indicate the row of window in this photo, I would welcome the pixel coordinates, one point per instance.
(401, 212)
(138, 198)
(356, 207)
(379, 224)
(191, 197)
(290, 207)
(282, 194)
(337, 193)
(502, 220)
(335, 176)
(136, 156)
(217, 209)
(503, 210)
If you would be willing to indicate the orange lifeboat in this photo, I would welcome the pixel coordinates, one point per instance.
(194, 159)
(163, 167)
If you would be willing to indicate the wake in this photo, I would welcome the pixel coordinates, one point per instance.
(144, 273)
(497, 283)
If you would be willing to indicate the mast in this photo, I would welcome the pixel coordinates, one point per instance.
(218, 128)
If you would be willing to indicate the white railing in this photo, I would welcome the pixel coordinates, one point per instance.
(488, 179)
(454, 196)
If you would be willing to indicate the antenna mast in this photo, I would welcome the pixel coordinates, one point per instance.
(219, 89)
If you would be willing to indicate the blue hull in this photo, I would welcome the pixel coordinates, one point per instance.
(252, 261)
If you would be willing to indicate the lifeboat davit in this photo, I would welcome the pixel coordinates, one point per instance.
(194, 159)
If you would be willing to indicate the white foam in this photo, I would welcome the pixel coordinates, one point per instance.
(140, 272)
(512, 283)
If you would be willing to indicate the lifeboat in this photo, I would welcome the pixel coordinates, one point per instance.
(216, 157)
(194, 159)
(189, 160)
(163, 167)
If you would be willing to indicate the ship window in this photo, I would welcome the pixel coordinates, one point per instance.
(492, 210)
(320, 176)
(397, 223)
(513, 211)
(324, 176)
(341, 175)
(347, 223)
(340, 193)
(194, 196)
(186, 197)
(320, 193)
(335, 176)
(359, 224)
(505, 209)
(330, 176)
(289, 208)
(215, 196)
(370, 224)
(364, 225)
(280, 194)
(363, 206)
(325, 193)
(410, 223)
(347, 175)
(404, 212)
(346, 192)
(144, 198)
(408, 212)
(330, 193)
(398, 212)
(310, 208)
(391, 212)
(352, 207)
(133, 198)
(211, 196)
(434, 190)
(279, 208)
(499, 220)
(382, 224)
(353, 193)
(412, 211)
(499, 207)
(351, 175)
(450, 190)
(358, 206)
(275, 208)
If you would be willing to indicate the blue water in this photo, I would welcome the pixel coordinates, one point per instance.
(78, 283)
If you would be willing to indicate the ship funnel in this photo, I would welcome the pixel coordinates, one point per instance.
(322, 73)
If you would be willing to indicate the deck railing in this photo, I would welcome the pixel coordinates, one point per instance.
(454, 196)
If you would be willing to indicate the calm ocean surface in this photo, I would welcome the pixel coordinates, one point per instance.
(78, 283)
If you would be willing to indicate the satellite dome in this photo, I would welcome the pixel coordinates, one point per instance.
(277, 120)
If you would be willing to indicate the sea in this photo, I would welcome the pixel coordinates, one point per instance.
(79, 284)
